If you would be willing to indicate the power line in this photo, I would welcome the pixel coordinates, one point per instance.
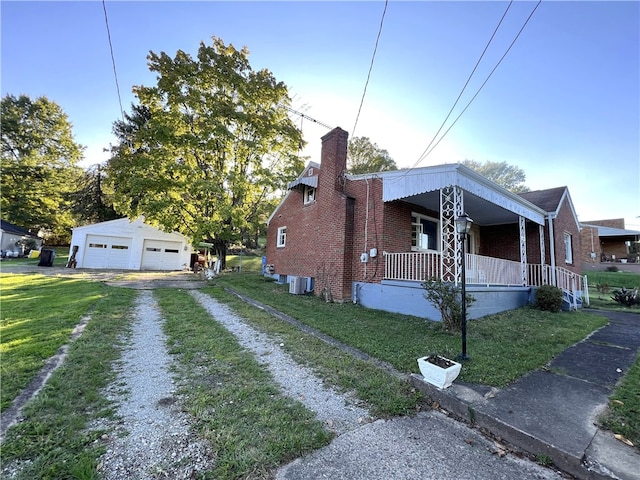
(424, 155)
(375, 49)
(113, 60)
(420, 158)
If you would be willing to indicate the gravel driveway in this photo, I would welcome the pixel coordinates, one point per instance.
(152, 438)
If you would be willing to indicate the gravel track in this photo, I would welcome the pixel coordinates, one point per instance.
(339, 412)
(153, 439)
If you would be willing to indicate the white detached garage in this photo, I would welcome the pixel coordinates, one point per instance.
(127, 245)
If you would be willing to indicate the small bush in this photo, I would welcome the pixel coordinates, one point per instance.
(548, 298)
(446, 297)
(612, 268)
(602, 287)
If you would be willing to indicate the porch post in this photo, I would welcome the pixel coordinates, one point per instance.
(523, 250)
(543, 255)
(451, 207)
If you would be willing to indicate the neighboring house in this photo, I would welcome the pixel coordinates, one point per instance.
(608, 241)
(10, 235)
(374, 238)
(128, 245)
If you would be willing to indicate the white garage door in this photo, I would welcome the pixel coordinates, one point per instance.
(160, 255)
(107, 252)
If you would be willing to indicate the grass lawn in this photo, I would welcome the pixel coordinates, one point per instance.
(503, 347)
(38, 314)
(602, 284)
(53, 440)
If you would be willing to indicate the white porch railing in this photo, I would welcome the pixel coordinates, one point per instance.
(412, 266)
(481, 270)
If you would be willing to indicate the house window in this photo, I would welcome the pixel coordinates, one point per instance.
(424, 233)
(309, 194)
(568, 253)
(282, 237)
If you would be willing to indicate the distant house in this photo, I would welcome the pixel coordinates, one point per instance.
(128, 245)
(608, 241)
(374, 238)
(13, 237)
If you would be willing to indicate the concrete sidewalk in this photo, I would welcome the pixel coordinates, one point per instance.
(553, 411)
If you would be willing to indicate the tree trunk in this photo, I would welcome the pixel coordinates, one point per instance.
(220, 249)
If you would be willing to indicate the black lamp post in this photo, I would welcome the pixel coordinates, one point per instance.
(463, 226)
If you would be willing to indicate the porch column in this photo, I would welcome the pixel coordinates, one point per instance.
(523, 250)
(543, 256)
(451, 207)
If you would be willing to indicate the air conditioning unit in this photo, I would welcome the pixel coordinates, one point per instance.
(296, 285)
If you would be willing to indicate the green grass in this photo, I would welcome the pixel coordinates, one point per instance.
(503, 347)
(623, 413)
(54, 440)
(233, 400)
(38, 314)
(385, 395)
(602, 284)
(249, 263)
(614, 279)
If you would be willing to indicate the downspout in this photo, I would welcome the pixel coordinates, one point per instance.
(552, 250)
(366, 227)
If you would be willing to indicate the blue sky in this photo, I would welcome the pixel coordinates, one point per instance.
(564, 105)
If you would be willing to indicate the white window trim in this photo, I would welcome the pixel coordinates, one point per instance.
(568, 248)
(438, 235)
(281, 239)
(309, 194)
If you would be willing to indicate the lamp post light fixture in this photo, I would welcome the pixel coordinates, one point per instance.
(463, 226)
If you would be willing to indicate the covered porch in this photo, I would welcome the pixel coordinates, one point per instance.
(505, 256)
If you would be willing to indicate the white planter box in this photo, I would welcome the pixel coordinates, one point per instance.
(439, 376)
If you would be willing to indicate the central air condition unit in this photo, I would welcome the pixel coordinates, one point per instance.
(296, 285)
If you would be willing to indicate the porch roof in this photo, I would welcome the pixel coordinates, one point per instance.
(484, 201)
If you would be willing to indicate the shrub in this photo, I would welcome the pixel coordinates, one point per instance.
(602, 287)
(548, 298)
(446, 297)
(612, 268)
(627, 297)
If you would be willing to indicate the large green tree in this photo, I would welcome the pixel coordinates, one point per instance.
(363, 156)
(39, 165)
(508, 176)
(206, 147)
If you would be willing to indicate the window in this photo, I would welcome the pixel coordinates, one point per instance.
(282, 237)
(153, 249)
(424, 232)
(309, 194)
(568, 253)
(97, 245)
(120, 247)
(170, 250)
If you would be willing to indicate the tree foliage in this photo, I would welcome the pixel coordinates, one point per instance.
(508, 176)
(206, 147)
(39, 165)
(366, 157)
(90, 203)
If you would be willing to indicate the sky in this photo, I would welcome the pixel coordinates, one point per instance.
(563, 104)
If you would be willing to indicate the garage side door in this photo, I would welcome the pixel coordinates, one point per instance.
(160, 255)
(103, 251)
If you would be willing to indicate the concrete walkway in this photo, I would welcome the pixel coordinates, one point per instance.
(553, 411)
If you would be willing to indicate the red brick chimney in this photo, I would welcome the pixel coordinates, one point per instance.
(333, 158)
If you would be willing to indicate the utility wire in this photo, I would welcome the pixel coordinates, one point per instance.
(375, 49)
(426, 153)
(421, 157)
(113, 60)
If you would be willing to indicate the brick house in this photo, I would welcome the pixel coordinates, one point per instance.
(608, 241)
(374, 238)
